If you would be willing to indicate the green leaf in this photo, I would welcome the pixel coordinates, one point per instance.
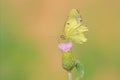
(80, 70)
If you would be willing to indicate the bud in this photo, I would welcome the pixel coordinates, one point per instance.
(68, 62)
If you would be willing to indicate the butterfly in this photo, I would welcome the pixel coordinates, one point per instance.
(73, 28)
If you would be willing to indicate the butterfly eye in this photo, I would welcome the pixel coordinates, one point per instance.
(62, 37)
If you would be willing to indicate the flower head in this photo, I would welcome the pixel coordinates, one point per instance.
(65, 47)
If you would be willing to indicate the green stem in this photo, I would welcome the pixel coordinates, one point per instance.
(69, 75)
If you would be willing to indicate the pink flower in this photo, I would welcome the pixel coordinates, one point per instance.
(65, 46)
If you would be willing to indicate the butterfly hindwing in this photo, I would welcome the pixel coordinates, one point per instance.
(77, 34)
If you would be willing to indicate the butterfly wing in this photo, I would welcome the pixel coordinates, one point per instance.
(74, 29)
(77, 35)
(73, 21)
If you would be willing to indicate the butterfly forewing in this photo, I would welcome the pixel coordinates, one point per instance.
(73, 21)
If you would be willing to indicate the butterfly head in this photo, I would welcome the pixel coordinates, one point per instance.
(62, 37)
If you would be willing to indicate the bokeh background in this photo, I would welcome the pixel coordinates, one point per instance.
(29, 32)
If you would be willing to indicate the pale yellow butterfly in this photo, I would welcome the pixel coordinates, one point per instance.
(73, 30)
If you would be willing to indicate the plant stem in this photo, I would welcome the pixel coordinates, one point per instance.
(69, 75)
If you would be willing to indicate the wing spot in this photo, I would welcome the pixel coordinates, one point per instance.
(68, 23)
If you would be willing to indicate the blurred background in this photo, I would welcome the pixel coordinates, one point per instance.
(29, 32)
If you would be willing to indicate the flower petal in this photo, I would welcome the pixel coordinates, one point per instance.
(65, 46)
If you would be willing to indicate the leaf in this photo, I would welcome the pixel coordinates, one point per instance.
(80, 70)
